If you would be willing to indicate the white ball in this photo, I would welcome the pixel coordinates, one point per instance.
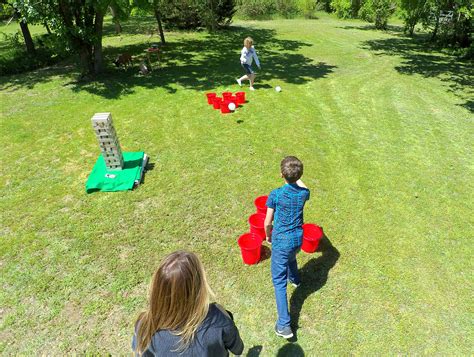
(231, 106)
(278, 88)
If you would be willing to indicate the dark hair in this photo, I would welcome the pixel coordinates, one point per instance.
(291, 169)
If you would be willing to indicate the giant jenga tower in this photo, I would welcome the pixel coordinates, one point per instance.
(108, 141)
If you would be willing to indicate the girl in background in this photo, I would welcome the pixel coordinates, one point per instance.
(247, 55)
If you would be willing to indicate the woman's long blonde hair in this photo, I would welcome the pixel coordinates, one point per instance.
(178, 301)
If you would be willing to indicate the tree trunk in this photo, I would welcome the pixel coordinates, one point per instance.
(160, 26)
(30, 46)
(98, 58)
(47, 27)
(435, 30)
(118, 26)
(85, 55)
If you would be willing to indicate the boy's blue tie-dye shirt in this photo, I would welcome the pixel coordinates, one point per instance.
(288, 202)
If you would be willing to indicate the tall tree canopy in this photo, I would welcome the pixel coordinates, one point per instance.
(79, 22)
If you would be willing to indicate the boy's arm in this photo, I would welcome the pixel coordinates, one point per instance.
(243, 55)
(257, 62)
(301, 183)
(268, 223)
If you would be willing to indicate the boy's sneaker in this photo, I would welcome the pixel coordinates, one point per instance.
(285, 332)
(239, 81)
(252, 88)
(294, 284)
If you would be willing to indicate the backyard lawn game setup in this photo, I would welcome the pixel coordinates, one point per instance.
(250, 243)
(114, 170)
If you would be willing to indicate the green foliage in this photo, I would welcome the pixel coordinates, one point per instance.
(342, 8)
(14, 60)
(324, 5)
(224, 12)
(6, 10)
(286, 8)
(378, 12)
(192, 14)
(307, 8)
(264, 9)
(346, 9)
(256, 9)
(412, 11)
(181, 14)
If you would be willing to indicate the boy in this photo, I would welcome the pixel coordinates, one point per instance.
(285, 209)
(247, 55)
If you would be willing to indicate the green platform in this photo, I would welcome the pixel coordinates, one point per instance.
(101, 179)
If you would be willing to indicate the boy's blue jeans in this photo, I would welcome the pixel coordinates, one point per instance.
(283, 267)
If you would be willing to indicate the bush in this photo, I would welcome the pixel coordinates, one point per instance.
(324, 5)
(286, 8)
(15, 59)
(224, 12)
(191, 14)
(378, 12)
(307, 8)
(468, 52)
(342, 8)
(255, 9)
(182, 14)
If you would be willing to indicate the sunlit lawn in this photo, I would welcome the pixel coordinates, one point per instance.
(383, 124)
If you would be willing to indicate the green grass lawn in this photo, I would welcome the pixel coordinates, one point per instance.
(383, 124)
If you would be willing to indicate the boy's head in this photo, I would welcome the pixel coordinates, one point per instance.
(291, 169)
(248, 42)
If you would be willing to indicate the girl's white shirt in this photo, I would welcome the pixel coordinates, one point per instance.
(248, 55)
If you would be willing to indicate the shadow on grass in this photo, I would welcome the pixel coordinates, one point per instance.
(254, 351)
(313, 275)
(422, 58)
(390, 28)
(290, 350)
(265, 254)
(207, 61)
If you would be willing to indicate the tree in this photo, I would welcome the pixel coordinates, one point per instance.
(30, 46)
(79, 22)
(450, 21)
(157, 4)
(412, 12)
(120, 11)
(156, 7)
(10, 8)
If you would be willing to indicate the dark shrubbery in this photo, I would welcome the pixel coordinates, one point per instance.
(15, 59)
(265, 9)
(191, 14)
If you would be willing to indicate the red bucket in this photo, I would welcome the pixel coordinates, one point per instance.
(240, 97)
(256, 222)
(216, 103)
(251, 247)
(210, 97)
(260, 203)
(312, 235)
(225, 107)
(226, 95)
